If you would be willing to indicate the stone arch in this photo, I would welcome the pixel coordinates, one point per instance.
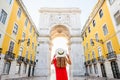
(59, 31)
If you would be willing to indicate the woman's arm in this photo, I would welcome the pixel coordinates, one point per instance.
(68, 60)
(52, 62)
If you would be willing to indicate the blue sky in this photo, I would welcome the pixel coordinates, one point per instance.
(33, 7)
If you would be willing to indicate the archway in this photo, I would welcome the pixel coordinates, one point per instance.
(59, 38)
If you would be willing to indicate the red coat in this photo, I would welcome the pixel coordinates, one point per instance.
(61, 73)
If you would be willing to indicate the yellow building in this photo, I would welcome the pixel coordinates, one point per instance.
(101, 47)
(20, 43)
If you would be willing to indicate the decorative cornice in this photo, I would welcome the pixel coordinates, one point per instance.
(27, 14)
(92, 15)
(60, 10)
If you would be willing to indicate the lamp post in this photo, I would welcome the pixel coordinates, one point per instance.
(99, 41)
(28, 41)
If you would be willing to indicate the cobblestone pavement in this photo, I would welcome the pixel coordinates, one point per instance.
(75, 78)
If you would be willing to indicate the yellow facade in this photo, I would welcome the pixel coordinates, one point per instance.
(98, 28)
(20, 21)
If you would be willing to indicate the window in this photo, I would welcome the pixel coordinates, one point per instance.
(99, 51)
(105, 30)
(3, 16)
(90, 67)
(26, 56)
(95, 69)
(85, 34)
(88, 56)
(20, 51)
(94, 23)
(19, 12)
(89, 29)
(91, 42)
(30, 29)
(6, 68)
(93, 54)
(111, 2)
(86, 45)
(109, 47)
(11, 46)
(100, 13)
(26, 22)
(30, 56)
(9, 1)
(0, 35)
(96, 37)
(117, 17)
(23, 35)
(83, 38)
(32, 45)
(15, 29)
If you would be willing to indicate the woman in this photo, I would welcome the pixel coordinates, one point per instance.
(61, 73)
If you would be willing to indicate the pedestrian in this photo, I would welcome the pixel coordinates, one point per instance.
(60, 65)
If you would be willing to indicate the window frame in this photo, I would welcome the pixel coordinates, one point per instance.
(19, 12)
(101, 13)
(3, 16)
(105, 29)
(15, 28)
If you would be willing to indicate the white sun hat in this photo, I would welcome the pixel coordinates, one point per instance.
(60, 52)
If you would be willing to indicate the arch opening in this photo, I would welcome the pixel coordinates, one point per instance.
(60, 38)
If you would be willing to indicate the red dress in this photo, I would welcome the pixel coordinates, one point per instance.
(61, 73)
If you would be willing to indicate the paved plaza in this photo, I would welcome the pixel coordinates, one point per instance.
(75, 78)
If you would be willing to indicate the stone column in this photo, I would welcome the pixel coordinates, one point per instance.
(77, 58)
(108, 69)
(43, 65)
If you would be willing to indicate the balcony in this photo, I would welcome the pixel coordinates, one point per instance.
(9, 56)
(26, 61)
(111, 55)
(31, 62)
(101, 59)
(20, 59)
(94, 61)
(89, 62)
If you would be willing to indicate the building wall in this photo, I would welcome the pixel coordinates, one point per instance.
(10, 36)
(98, 28)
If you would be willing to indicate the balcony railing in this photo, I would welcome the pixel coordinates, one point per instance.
(94, 61)
(101, 59)
(31, 62)
(9, 56)
(111, 55)
(89, 62)
(20, 59)
(26, 61)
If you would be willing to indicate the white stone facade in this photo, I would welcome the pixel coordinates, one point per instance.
(49, 18)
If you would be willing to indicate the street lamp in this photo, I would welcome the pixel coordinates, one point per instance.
(99, 41)
(28, 41)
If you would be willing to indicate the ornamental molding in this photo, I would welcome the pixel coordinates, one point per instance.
(60, 10)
